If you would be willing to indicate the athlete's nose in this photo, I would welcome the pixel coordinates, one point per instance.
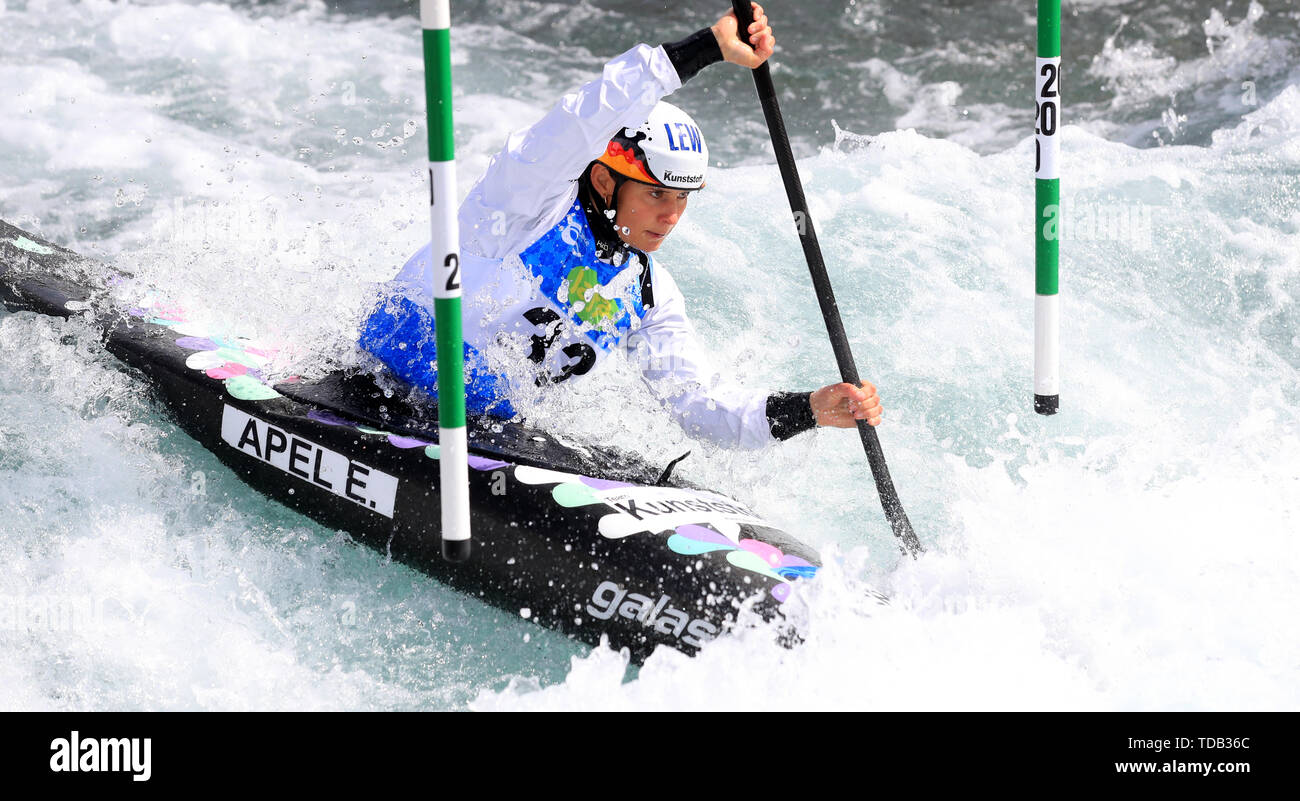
(675, 212)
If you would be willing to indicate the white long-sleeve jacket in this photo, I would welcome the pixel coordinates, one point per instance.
(525, 200)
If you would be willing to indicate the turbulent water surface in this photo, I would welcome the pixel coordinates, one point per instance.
(261, 164)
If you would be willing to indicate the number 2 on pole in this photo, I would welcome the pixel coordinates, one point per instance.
(1046, 111)
(1049, 72)
(452, 262)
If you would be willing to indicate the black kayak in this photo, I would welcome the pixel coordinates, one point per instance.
(589, 541)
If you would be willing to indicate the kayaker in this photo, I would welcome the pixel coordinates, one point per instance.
(557, 273)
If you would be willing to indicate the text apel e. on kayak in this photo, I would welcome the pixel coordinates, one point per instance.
(309, 461)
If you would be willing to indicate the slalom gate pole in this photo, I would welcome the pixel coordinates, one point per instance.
(889, 501)
(453, 458)
(1047, 217)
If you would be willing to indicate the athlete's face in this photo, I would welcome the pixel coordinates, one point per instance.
(647, 214)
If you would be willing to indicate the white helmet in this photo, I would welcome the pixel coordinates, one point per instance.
(665, 150)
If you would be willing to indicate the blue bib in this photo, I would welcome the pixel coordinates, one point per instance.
(573, 278)
(400, 332)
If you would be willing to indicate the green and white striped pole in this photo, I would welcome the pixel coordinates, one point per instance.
(453, 447)
(1047, 125)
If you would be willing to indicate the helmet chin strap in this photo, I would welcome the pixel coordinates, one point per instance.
(609, 245)
(600, 216)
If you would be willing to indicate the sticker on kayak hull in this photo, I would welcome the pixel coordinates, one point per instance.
(641, 509)
(30, 246)
(310, 462)
(648, 509)
(660, 615)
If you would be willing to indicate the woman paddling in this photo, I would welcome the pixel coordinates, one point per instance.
(556, 240)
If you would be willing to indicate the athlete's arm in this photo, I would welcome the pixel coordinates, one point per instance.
(530, 183)
(842, 405)
(721, 41)
(678, 371)
(707, 404)
(836, 405)
(761, 41)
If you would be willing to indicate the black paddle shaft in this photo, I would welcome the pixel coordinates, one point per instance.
(812, 251)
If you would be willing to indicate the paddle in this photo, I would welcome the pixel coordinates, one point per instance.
(893, 507)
